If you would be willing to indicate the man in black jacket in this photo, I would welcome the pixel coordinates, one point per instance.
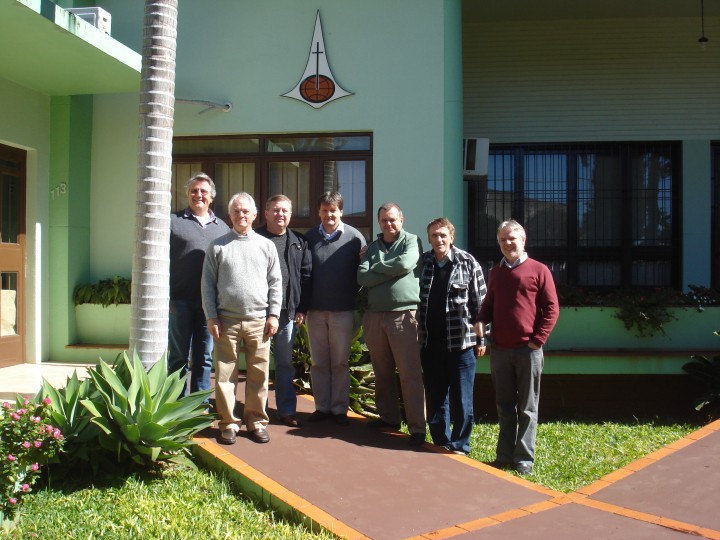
(296, 267)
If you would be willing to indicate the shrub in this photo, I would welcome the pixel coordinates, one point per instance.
(115, 290)
(27, 441)
(644, 310)
(706, 372)
(140, 415)
(68, 414)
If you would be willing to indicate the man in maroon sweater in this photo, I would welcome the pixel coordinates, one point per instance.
(522, 308)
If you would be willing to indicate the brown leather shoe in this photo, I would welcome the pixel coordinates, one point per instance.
(228, 436)
(260, 435)
(290, 421)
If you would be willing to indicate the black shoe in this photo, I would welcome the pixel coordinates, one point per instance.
(380, 423)
(318, 416)
(228, 436)
(523, 468)
(416, 439)
(260, 435)
(290, 420)
(500, 464)
(341, 419)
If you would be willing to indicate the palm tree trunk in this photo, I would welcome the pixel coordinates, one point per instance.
(151, 255)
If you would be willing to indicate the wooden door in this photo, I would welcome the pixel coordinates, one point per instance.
(12, 255)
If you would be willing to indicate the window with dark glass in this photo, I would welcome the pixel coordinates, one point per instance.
(600, 215)
(715, 216)
(299, 166)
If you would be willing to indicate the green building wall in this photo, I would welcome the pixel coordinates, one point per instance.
(25, 123)
(69, 223)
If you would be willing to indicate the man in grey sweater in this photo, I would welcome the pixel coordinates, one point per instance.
(242, 295)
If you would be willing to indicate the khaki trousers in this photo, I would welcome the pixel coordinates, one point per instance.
(330, 334)
(236, 333)
(392, 338)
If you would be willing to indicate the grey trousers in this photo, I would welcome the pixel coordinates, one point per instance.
(516, 378)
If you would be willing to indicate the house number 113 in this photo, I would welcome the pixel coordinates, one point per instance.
(58, 191)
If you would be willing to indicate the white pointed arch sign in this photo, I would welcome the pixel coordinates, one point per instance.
(317, 86)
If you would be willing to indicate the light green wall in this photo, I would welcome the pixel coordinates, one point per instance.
(24, 123)
(250, 53)
(71, 128)
(393, 56)
(454, 205)
(114, 179)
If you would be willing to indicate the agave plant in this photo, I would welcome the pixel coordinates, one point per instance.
(707, 373)
(362, 377)
(141, 416)
(73, 420)
(301, 359)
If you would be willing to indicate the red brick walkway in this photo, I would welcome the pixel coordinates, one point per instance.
(362, 483)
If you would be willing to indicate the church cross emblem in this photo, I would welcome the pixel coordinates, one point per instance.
(317, 86)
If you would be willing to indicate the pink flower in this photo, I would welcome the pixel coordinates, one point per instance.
(6, 405)
(27, 402)
(25, 487)
(49, 428)
(11, 457)
(15, 416)
(21, 411)
(37, 444)
(34, 466)
(26, 444)
(57, 434)
(47, 401)
(36, 419)
(12, 500)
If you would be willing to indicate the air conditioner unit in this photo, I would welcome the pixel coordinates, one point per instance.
(475, 156)
(96, 16)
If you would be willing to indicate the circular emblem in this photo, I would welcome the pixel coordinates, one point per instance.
(317, 88)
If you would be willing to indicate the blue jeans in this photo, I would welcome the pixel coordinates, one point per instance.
(449, 380)
(285, 398)
(188, 334)
(516, 378)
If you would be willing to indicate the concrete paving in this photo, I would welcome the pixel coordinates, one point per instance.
(26, 379)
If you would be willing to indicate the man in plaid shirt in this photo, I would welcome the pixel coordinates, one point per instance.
(452, 288)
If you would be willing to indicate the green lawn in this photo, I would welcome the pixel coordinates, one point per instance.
(572, 454)
(183, 504)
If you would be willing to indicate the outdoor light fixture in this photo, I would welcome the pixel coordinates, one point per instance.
(703, 41)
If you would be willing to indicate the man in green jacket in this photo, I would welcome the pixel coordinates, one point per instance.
(389, 271)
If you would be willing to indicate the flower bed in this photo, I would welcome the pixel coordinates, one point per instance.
(27, 442)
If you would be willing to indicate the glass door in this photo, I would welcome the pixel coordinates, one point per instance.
(12, 255)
